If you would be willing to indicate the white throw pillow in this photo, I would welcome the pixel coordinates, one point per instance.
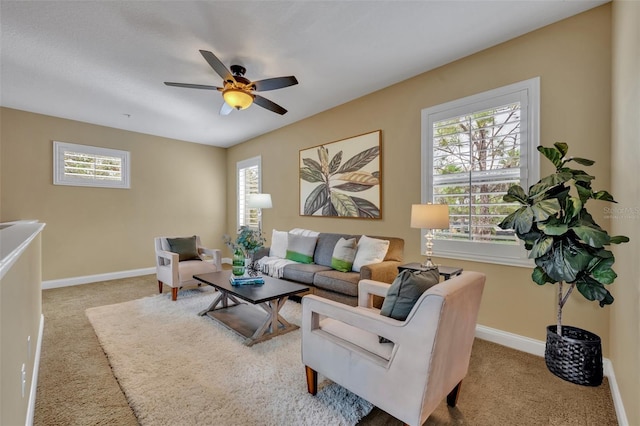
(279, 244)
(300, 248)
(370, 250)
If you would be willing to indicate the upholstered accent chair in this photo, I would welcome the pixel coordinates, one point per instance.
(178, 274)
(426, 360)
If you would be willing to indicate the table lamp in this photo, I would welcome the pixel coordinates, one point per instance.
(259, 201)
(429, 217)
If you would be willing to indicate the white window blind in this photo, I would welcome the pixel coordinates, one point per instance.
(474, 149)
(249, 182)
(82, 165)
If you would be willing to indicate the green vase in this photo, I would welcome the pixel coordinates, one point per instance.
(238, 263)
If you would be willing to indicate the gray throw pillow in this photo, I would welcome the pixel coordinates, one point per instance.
(405, 290)
(185, 247)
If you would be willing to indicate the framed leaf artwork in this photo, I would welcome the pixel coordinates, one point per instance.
(342, 178)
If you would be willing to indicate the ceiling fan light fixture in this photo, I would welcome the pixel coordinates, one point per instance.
(238, 99)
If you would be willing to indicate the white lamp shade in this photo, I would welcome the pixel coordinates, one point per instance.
(430, 216)
(259, 201)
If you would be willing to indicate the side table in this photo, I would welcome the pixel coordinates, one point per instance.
(445, 271)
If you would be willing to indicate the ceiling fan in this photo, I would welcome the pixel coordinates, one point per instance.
(237, 91)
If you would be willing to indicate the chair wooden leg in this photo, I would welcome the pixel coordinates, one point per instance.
(452, 398)
(174, 293)
(312, 380)
(159, 286)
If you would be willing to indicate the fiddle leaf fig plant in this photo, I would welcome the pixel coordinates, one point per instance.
(561, 236)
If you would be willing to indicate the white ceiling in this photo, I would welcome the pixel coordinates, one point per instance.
(105, 62)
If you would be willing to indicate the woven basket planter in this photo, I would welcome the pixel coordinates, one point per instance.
(576, 356)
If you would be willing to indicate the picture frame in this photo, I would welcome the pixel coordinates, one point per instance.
(342, 178)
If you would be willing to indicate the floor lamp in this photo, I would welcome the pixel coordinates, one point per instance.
(259, 201)
(429, 217)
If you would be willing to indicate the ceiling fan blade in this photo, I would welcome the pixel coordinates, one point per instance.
(274, 83)
(217, 66)
(267, 104)
(225, 109)
(192, 86)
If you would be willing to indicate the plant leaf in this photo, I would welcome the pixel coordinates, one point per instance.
(552, 154)
(312, 164)
(603, 195)
(595, 237)
(335, 162)
(583, 161)
(520, 220)
(562, 147)
(593, 290)
(549, 182)
(328, 210)
(539, 277)
(323, 155)
(360, 160)
(515, 193)
(352, 187)
(565, 261)
(604, 275)
(309, 175)
(544, 209)
(554, 228)
(343, 204)
(541, 247)
(364, 178)
(618, 239)
(316, 199)
(366, 208)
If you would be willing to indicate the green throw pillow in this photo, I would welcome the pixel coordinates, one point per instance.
(343, 254)
(300, 248)
(405, 291)
(185, 247)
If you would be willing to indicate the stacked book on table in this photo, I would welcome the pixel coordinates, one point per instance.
(246, 280)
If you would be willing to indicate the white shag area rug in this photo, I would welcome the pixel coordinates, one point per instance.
(178, 368)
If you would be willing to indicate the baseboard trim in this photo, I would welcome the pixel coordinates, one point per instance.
(536, 347)
(31, 405)
(88, 279)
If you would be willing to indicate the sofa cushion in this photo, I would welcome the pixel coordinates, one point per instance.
(370, 250)
(185, 247)
(343, 255)
(279, 241)
(341, 282)
(302, 273)
(300, 248)
(395, 251)
(325, 246)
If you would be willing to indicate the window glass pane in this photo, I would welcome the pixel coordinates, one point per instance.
(248, 183)
(473, 150)
(83, 165)
(476, 159)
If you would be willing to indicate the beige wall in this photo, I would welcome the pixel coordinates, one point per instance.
(177, 188)
(573, 60)
(625, 161)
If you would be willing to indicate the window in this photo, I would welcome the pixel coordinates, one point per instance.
(82, 165)
(473, 150)
(249, 182)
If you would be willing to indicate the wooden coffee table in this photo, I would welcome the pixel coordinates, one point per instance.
(254, 324)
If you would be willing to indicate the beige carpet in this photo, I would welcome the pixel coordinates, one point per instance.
(166, 358)
(503, 387)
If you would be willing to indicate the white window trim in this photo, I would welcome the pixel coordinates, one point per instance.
(243, 164)
(472, 250)
(60, 178)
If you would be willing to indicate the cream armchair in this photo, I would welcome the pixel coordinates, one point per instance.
(177, 274)
(408, 378)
